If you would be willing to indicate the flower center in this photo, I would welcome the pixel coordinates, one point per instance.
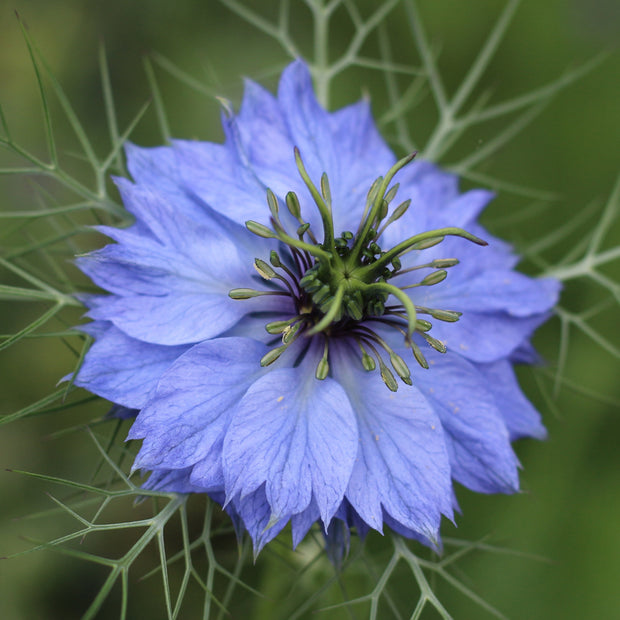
(341, 287)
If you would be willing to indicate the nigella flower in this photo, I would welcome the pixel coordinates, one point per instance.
(310, 329)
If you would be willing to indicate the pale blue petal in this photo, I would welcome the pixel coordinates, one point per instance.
(429, 189)
(203, 169)
(303, 521)
(208, 471)
(121, 369)
(190, 410)
(362, 156)
(486, 337)
(307, 122)
(478, 441)
(497, 291)
(337, 542)
(258, 519)
(402, 464)
(171, 481)
(298, 435)
(519, 415)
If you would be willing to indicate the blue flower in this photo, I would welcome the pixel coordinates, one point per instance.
(289, 332)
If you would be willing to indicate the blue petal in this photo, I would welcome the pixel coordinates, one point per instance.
(203, 169)
(160, 167)
(337, 542)
(486, 337)
(171, 481)
(517, 412)
(478, 441)
(497, 291)
(402, 464)
(303, 521)
(307, 122)
(257, 516)
(121, 369)
(298, 435)
(430, 190)
(120, 412)
(400, 529)
(208, 472)
(189, 412)
(362, 155)
(261, 140)
(173, 290)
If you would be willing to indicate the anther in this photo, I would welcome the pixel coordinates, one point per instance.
(436, 344)
(248, 293)
(322, 368)
(264, 270)
(272, 201)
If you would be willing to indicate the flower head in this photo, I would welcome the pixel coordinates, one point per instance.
(309, 328)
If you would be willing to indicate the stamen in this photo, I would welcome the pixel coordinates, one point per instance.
(438, 263)
(248, 293)
(402, 370)
(387, 376)
(431, 279)
(384, 371)
(417, 353)
(272, 201)
(399, 365)
(322, 368)
(449, 316)
(277, 327)
(271, 356)
(274, 259)
(260, 230)
(367, 362)
(264, 270)
(290, 333)
(400, 210)
(292, 202)
(436, 344)
(392, 193)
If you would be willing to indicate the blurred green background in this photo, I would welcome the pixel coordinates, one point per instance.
(569, 512)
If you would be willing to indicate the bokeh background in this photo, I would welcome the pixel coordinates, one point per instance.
(569, 511)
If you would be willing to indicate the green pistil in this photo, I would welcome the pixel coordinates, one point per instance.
(378, 203)
(342, 284)
(404, 300)
(323, 202)
(417, 242)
